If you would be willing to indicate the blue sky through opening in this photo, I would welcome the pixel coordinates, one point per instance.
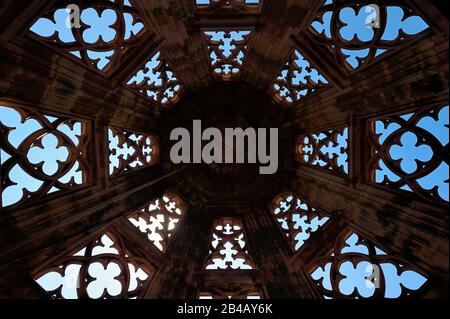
(123, 152)
(355, 276)
(156, 223)
(100, 28)
(306, 73)
(226, 48)
(49, 155)
(355, 25)
(409, 152)
(301, 223)
(152, 77)
(228, 258)
(104, 278)
(329, 150)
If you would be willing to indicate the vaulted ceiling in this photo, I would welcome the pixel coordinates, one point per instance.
(288, 64)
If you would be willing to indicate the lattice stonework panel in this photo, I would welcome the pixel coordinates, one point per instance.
(357, 32)
(297, 79)
(327, 150)
(411, 152)
(41, 154)
(228, 248)
(235, 6)
(227, 50)
(157, 81)
(130, 150)
(101, 33)
(358, 269)
(297, 219)
(234, 295)
(159, 219)
(104, 269)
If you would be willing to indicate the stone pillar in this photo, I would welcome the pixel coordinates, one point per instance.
(271, 252)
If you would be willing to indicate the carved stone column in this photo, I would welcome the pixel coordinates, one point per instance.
(271, 252)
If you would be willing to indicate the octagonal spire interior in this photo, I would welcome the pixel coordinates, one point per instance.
(344, 103)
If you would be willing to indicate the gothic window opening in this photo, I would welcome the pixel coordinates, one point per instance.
(297, 219)
(41, 154)
(157, 81)
(327, 150)
(159, 219)
(130, 150)
(358, 269)
(297, 80)
(356, 33)
(410, 152)
(103, 269)
(227, 50)
(228, 248)
(100, 34)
